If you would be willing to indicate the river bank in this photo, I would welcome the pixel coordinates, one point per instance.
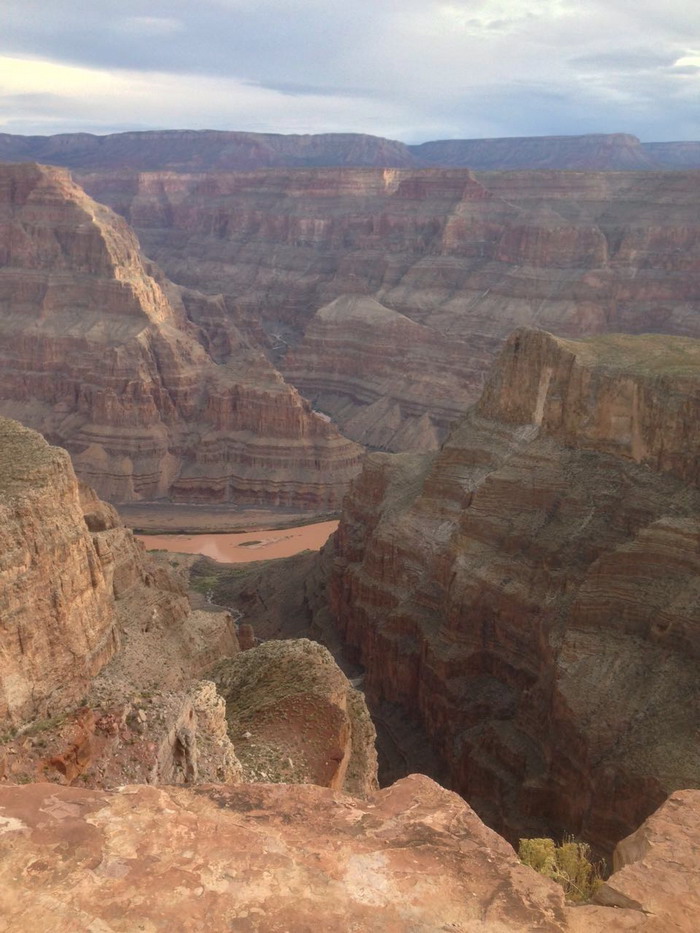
(154, 518)
(244, 547)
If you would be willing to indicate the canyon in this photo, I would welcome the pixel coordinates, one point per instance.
(310, 302)
(384, 295)
(530, 592)
(203, 837)
(515, 577)
(531, 588)
(106, 357)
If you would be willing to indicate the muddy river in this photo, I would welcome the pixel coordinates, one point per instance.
(248, 546)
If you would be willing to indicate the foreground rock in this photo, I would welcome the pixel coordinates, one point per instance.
(295, 718)
(151, 389)
(531, 591)
(277, 858)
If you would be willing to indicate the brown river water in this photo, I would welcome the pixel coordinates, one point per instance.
(248, 546)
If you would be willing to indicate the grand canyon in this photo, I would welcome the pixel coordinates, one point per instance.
(482, 359)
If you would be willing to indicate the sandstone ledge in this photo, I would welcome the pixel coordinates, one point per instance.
(297, 859)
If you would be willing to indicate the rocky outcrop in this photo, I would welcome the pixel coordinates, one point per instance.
(57, 615)
(103, 356)
(441, 261)
(531, 591)
(294, 718)
(101, 653)
(155, 736)
(654, 869)
(413, 857)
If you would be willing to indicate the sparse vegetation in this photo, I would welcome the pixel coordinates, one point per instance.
(569, 864)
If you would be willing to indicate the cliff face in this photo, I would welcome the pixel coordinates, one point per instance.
(531, 591)
(56, 603)
(389, 382)
(87, 626)
(109, 360)
(455, 260)
(413, 857)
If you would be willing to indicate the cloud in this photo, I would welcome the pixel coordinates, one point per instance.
(625, 60)
(154, 26)
(410, 69)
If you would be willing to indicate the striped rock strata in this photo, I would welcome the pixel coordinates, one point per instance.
(451, 261)
(531, 591)
(106, 358)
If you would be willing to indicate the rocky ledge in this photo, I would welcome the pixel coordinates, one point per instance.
(267, 858)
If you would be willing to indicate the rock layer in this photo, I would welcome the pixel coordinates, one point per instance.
(56, 601)
(531, 591)
(104, 357)
(88, 627)
(281, 858)
(439, 265)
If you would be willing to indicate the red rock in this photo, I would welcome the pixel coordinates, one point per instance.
(98, 353)
(530, 592)
(440, 265)
(274, 858)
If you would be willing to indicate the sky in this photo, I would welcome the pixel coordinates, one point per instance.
(411, 70)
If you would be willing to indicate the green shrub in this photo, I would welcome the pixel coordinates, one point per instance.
(569, 864)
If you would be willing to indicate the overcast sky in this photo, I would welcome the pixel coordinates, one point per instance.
(407, 69)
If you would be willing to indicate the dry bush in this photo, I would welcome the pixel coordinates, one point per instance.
(569, 864)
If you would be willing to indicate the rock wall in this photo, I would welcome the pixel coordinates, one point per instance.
(105, 357)
(531, 591)
(438, 265)
(57, 616)
(100, 650)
